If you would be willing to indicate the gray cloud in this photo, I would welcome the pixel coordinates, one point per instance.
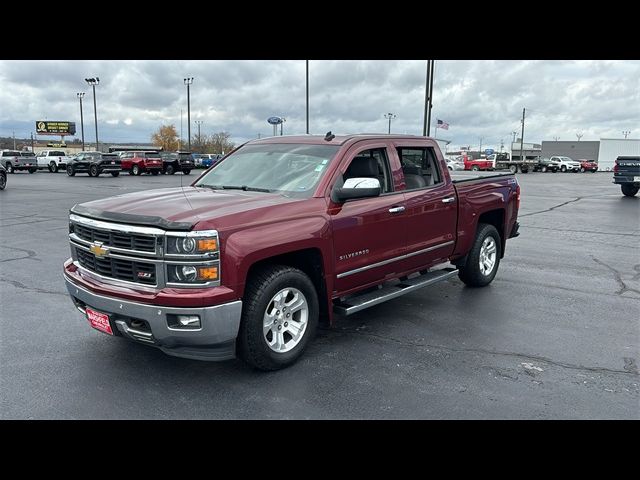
(477, 98)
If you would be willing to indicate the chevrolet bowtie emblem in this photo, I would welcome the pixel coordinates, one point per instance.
(98, 250)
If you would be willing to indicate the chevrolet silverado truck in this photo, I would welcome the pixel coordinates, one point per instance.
(626, 173)
(52, 160)
(282, 233)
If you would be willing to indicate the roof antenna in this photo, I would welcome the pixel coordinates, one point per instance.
(329, 136)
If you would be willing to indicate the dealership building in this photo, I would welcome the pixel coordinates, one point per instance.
(605, 151)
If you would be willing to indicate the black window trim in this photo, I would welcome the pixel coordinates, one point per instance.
(436, 165)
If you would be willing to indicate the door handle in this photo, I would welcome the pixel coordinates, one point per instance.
(396, 210)
(448, 199)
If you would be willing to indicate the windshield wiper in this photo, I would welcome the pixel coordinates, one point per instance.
(237, 187)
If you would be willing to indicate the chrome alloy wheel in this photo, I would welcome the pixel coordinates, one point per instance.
(487, 256)
(285, 319)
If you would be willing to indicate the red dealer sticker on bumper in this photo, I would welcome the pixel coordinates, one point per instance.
(99, 321)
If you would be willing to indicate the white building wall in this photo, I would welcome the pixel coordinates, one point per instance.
(611, 148)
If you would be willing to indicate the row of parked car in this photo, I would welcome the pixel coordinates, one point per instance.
(540, 164)
(96, 163)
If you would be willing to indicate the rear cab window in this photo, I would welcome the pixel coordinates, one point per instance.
(420, 167)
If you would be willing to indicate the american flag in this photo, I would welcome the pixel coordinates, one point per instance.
(443, 125)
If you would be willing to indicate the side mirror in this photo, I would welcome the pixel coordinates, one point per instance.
(358, 188)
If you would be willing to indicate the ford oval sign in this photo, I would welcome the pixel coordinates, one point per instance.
(274, 120)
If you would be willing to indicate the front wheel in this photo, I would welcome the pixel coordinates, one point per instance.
(582, 170)
(279, 317)
(483, 259)
(544, 169)
(513, 168)
(70, 171)
(475, 168)
(563, 168)
(186, 172)
(9, 168)
(53, 167)
(135, 170)
(115, 174)
(33, 170)
(629, 190)
(170, 170)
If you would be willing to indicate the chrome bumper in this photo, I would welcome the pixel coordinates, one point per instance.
(214, 340)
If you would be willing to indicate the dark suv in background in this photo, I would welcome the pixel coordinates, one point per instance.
(173, 162)
(94, 163)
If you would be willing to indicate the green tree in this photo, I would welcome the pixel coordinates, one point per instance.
(166, 137)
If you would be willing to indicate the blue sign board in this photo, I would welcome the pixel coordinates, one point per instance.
(488, 151)
(274, 120)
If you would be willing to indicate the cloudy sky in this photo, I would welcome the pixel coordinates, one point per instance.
(478, 98)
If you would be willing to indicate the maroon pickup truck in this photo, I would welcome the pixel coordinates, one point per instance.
(284, 232)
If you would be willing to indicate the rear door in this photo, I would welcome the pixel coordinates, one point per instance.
(369, 234)
(431, 203)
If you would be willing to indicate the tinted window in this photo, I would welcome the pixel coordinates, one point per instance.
(56, 153)
(420, 167)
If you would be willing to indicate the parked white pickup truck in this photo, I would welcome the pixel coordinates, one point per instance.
(52, 160)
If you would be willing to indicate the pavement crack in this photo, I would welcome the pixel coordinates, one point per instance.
(31, 254)
(539, 358)
(552, 208)
(618, 277)
(22, 286)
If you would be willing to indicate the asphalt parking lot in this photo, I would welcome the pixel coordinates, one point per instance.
(556, 335)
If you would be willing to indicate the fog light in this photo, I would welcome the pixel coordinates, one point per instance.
(183, 321)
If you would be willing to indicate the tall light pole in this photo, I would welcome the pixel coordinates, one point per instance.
(433, 66)
(199, 122)
(93, 82)
(307, 97)
(626, 133)
(80, 95)
(282, 124)
(390, 116)
(188, 81)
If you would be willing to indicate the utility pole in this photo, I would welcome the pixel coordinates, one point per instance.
(433, 66)
(32, 146)
(180, 141)
(80, 95)
(307, 98)
(426, 99)
(579, 135)
(390, 116)
(522, 136)
(626, 133)
(480, 149)
(199, 122)
(14, 140)
(258, 135)
(501, 144)
(188, 81)
(282, 124)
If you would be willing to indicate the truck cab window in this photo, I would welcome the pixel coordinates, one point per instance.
(371, 163)
(420, 167)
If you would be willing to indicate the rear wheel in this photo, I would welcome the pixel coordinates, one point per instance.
(135, 170)
(524, 169)
(171, 169)
(9, 168)
(93, 171)
(279, 317)
(186, 172)
(115, 174)
(483, 259)
(582, 170)
(53, 167)
(33, 170)
(513, 168)
(70, 171)
(544, 169)
(475, 168)
(563, 168)
(629, 190)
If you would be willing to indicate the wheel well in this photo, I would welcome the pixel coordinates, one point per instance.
(310, 262)
(495, 218)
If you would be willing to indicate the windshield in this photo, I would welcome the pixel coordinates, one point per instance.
(28, 154)
(291, 169)
(565, 159)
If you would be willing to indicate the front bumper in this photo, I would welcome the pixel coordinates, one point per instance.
(213, 341)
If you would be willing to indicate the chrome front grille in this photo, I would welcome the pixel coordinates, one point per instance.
(118, 268)
(128, 241)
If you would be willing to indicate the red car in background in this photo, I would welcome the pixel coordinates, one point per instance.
(138, 163)
(475, 165)
(588, 165)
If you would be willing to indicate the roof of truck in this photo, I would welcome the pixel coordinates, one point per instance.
(337, 140)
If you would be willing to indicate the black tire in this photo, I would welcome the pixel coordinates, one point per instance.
(154, 172)
(93, 171)
(53, 167)
(262, 286)
(470, 273)
(170, 169)
(3, 180)
(475, 168)
(136, 170)
(524, 169)
(33, 170)
(186, 172)
(9, 168)
(594, 171)
(629, 190)
(544, 169)
(563, 168)
(513, 169)
(115, 174)
(554, 170)
(70, 171)
(582, 170)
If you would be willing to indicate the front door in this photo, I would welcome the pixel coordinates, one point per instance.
(368, 234)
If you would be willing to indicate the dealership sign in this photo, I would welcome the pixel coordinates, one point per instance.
(45, 127)
(274, 120)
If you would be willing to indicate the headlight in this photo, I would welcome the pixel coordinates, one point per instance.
(204, 243)
(192, 274)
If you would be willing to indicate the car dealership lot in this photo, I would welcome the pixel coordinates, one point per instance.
(556, 335)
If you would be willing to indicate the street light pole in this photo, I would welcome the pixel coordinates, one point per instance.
(188, 81)
(433, 66)
(307, 97)
(80, 95)
(93, 82)
(626, 133)
(199, 122)
(282, 124)
(389, 116)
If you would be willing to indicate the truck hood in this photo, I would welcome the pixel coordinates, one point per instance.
(176, 208)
